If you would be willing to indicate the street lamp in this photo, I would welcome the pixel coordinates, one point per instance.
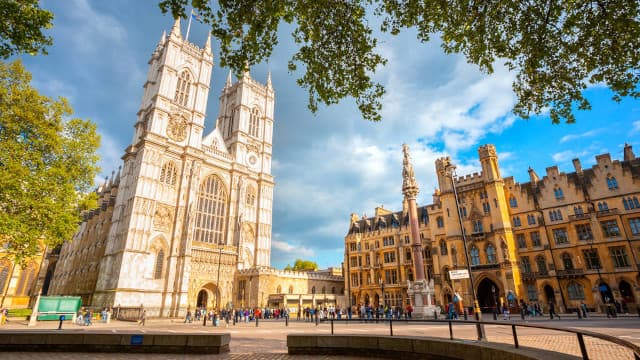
(450, 170)
(382, 288)
(495, 302)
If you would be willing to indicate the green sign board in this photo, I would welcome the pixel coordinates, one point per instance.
(51, 307)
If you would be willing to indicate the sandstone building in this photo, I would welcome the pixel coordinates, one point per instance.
(565, 237)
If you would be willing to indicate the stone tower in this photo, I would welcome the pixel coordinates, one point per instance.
(191, 208)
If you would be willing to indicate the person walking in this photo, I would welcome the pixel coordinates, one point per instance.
(143, 318)
(552, 311)
(583, 308)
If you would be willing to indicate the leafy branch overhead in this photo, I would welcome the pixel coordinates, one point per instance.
(557, 48)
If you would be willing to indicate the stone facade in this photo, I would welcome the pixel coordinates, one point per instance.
(188, 209)
(566, 238)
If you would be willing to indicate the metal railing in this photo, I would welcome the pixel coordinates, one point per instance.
(580, 334)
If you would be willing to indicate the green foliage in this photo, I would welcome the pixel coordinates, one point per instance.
(47, 166)
(557, 48)
(21, 27)
(303, 265)
(288, 267)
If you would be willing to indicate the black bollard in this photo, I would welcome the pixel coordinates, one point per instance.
(204, 322)
(435, 314)
(464, 312)
(316, 319)
(286, 321)
(256, 321)
(62, 317)
(495, 315)
(579, 314)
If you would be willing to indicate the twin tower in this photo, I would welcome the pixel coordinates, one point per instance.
(191, 208)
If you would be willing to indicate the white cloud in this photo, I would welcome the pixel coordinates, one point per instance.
(585, 134)
(635, 127)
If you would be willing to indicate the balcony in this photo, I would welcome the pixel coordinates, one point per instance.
(437, 279)
(533, 275)
(478, 236)
(485, 266)
(579, 216)
(607, 212)
(570, 273)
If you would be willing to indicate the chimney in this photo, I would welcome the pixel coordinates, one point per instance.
(577, 166)
(628, 153)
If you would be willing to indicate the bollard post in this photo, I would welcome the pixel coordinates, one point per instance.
(257, 317)
(391, 326)
(204, 322)
(435, 314)
(62, 317)
(495, 316)
(286, 321)
(450, 330)
(464, 312)
(579, 314)
(332, 326)
(316, 319)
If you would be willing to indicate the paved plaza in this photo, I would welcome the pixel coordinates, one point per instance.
(268, 340)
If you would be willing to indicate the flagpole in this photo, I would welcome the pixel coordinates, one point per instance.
(189, 26)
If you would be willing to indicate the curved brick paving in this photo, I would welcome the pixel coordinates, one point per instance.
(268, 341)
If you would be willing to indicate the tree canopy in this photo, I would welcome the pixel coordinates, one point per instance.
(302, 265)
(557, 48)
(47, 166)
(21, 26)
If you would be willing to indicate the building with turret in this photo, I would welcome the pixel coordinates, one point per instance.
(566, 237)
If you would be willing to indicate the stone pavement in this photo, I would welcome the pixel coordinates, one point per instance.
(268, 340)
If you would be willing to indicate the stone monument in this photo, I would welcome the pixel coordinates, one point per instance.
(421, 291)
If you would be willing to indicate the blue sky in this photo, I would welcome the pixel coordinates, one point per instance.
(334, 163)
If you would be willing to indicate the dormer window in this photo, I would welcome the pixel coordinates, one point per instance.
(557, 192)
(612, 183)
(513, 202)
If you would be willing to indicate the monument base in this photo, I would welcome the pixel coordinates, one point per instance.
(422, 295)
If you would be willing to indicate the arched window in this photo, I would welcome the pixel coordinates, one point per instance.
(475, 256)
(290, 289)
(443, 247)
(513, 202)
(279, 290)
(477, 226)
(558, 193)
(313, 290)
(159, 265)
(447, 276)
(27, 278)
(182, 89)
(211, 211)
(324, 290)
(542, 264)
(491, 254)
(575, 291)
(254, 123)
(567, 262)
(525, 264)
(612, 183)
(333, 290)
(168, 174)
(440, 221)
(251, 195)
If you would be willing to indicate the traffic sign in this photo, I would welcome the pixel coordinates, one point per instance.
(459, 274)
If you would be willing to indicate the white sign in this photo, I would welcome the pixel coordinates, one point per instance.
(459, 274)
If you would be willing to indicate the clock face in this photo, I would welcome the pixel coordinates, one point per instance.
(252, 159)
(177, 128)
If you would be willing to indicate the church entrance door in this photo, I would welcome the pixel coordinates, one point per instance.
(202, 299)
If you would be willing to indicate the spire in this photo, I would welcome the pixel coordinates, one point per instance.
(207, 45)
(175, 31)
(246, 74)
(269, 86)
(533, 177)
(409, 183)
(228, 83)
(162, 39)
(117, 180)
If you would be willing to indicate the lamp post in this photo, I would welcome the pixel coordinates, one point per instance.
(450, 171)
(218, 281)
(495, 302)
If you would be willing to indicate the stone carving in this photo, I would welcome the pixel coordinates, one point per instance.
(163, 217)
(177, 128)
(253, 147)
(409, 183)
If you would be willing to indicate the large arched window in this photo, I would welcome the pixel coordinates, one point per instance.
(27, 278)
(612, 183)
(443, 247)
(575, 291)
(168, 174)
(475, 256)
(211, 211)
(491, 254)
(542, 264)
(251, 195)
(254, 122)
(182, 88)
(157, 274)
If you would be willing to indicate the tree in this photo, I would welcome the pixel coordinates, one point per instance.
(557, 48)
(303, 265)
(47, 166)
(21, 27)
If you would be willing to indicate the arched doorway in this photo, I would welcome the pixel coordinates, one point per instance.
(626, 292)
(549, 294)
(202, 299)
(377, 300)
(447, 297)
(605, 292)
(487, 293)
(366, 299)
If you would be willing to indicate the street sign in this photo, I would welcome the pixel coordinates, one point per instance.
(459, 274)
